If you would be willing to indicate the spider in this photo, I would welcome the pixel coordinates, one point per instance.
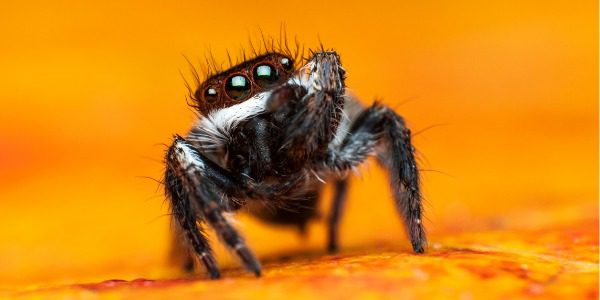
(270, 133)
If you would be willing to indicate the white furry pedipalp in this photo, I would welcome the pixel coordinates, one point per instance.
(304, 77)
(213, 131)
(186, 156)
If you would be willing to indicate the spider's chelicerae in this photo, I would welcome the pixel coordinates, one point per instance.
(269, 136)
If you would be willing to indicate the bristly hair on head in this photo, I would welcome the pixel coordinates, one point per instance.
(266, 44)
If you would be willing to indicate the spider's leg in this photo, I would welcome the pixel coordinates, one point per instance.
(180, 193)
(404, 177)
(180, 252)
(381, 123)
(213, 213)
(193, 186)
(339, 199)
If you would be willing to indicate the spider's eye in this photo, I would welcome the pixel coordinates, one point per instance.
(210, 94)
(287, 63)
(237, 87)
(265, 75)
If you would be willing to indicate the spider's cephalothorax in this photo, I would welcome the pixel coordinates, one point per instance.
(269, 135)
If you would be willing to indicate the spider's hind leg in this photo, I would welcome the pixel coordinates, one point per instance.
(333, 224)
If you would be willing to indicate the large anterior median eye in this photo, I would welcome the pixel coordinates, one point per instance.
(237, 87)
(265, 75)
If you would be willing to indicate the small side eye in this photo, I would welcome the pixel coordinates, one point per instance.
(210, 95)
(265, 75)
(287, 63)
(237, 87)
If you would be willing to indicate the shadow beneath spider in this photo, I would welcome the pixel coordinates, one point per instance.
(322, 254)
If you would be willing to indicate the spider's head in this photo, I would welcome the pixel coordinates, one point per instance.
(243, 81)
(323, 71)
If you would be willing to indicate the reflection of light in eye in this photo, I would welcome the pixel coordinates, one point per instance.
(263, 71)
(212, 91)
(238, 81)
(285, 61)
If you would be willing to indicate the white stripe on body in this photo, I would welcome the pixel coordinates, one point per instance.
(213, 132)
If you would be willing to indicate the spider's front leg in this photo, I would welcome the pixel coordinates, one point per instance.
(380, 123)
(314, 99)
(192, 183)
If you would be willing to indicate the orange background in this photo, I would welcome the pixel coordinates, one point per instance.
(89, 93)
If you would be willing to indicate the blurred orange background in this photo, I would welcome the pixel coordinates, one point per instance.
(90, 92)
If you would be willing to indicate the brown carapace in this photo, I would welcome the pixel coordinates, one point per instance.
(235, 85)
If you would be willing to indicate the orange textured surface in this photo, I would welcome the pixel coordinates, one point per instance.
(89, 92)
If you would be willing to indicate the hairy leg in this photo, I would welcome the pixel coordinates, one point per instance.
(180, 253)
(213, 214)
(380, 124)
(184, 215)
(193, 193)
(339, 199)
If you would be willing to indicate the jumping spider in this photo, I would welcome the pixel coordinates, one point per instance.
(269, 132)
